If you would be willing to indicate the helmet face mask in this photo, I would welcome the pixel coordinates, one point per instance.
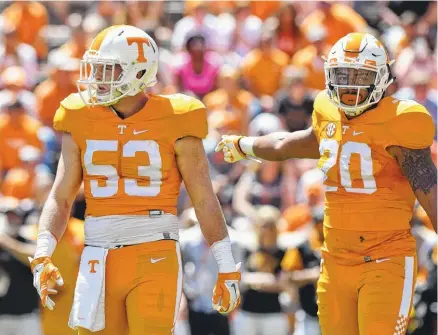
(357, 80)
(122, 61)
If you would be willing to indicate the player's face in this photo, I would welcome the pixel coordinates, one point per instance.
(105, 74)
(353, 79)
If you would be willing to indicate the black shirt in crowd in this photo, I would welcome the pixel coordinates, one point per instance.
(262, 261)
(17, 294)
(295, 114)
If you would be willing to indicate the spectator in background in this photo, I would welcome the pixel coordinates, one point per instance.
(76, 46)
(200, 272)
(26, 181)
(270, 183)
(408, 21)
(416, 55)
(310, 59)
(17, 130)
(13, 52)
(60, 83)
(198, 22)
(18, 299)
(264, 9)
(199, 69)
(294, 104)
(289, 37)
(14, 81)
(302, 265)
(28, 18)
(248, 29)
(337, 19)
(263, 67)
(229, 96)
(419, 90)
(261, 312)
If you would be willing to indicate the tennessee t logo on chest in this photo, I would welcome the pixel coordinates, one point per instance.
(92, 264)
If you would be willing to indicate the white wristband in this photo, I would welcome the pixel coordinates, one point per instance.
(223, 255)
(247, 145)
(46, 244)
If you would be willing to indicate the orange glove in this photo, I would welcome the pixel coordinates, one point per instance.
(43, 272)
(226, 293)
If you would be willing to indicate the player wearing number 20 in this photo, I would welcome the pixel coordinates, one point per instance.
(131, 150)
(375, 153)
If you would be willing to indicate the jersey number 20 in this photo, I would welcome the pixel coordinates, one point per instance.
(349, 148)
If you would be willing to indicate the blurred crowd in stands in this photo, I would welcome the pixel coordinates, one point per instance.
(257, 66)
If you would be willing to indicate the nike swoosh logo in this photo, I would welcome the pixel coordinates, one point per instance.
(235, 290)
(155, 260)
(139, 132)
(382, 260)
(357, 133)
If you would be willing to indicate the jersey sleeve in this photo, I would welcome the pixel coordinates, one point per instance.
(66, 115)
(412, 126)
(191, 117)
(317, 108)
(61, 120)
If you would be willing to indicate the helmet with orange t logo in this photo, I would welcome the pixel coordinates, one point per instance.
(121, 61)
(357, 73)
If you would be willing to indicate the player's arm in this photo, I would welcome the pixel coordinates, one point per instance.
(193, 166)
(56, 211)
(53, 219)
(273, 147)
(419, 169)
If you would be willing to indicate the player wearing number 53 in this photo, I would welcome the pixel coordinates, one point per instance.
(132, 151)
(375, 153)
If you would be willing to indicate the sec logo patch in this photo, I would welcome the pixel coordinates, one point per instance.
(330, 129)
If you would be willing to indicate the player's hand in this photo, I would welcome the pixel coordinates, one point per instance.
(226, 293)
(43, 273)
(229, 144)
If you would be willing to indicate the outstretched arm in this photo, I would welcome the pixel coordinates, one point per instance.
(273, 147)
(418, 167)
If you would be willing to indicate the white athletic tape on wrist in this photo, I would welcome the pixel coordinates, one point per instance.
(247, 145)
(223, 255)
(46, 244)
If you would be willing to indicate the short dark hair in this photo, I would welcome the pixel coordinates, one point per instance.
(15, 104)
(193, 38)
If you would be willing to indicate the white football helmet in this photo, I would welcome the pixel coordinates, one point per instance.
(357, 73)
(131, 48)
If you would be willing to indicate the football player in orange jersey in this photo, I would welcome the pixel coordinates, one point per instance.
(131, 150)
(375, 153)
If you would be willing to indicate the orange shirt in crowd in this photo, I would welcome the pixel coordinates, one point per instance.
(263, 72)
(28, 18)
(66, 256)
(264, 9)
(344, 18)
(309, 59)
(13, 137)
(19, 183)
(73, 49)
(48, 95)
(290, 43)
(215, 7)
(221, 100)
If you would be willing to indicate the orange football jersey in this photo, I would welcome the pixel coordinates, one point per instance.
(366, 190)
(129, 165)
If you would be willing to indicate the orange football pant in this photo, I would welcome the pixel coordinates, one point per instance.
(372, 298)
(143, 285)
